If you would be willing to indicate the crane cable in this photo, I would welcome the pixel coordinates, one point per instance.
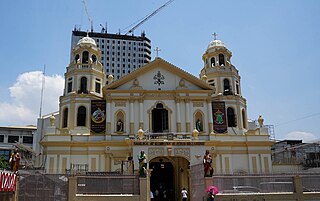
(147, 17)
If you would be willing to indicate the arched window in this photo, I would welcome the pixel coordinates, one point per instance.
(237, 87)
(221, 60)
(244, 119)
(65, 118)
(76, 58)
(83, 85)
(159, 106)
(85, 57)
(213, 62)
(231, 117)
(226, 87)
(81, 118)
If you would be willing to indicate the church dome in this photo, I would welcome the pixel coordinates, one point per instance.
(216, 43)
(87, 41)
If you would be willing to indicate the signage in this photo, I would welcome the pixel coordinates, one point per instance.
(98, 116)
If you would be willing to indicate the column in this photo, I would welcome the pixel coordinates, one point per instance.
(187, 116)
(141, 114)
(131, 117)
(210, 118)
(178, 116)
(108, 120)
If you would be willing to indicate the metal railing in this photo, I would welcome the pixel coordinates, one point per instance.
(119, 184)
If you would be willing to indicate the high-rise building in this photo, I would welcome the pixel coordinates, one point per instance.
(120, 54)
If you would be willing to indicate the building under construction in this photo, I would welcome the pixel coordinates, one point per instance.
(296, 153)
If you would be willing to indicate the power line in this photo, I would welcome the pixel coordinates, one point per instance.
(305, 117)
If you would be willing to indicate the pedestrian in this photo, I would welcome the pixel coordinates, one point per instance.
(151, 196)
(211, 195)
(184, 194)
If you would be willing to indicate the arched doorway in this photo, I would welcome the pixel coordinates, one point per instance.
(162, 180)
(160, 119)
(169, 175)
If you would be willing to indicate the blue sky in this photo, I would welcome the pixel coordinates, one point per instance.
(275, 47)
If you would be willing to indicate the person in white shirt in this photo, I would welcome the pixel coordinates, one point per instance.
(184, 194)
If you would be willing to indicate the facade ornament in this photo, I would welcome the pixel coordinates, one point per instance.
(110, 78)
(260, 121)
(195, 134)
(158, 79)
(52, 120)
(136, 85)
(136, 82)
(140, 134)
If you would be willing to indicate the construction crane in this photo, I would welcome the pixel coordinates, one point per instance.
(87, 13)
(148, 17)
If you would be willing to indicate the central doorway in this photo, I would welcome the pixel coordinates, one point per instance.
(168, 176)
(162, 181)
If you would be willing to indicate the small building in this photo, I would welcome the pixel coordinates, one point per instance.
(17, 137)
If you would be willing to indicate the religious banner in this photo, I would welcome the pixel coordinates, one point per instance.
(219, 117)
(8, 181)
(98, 116)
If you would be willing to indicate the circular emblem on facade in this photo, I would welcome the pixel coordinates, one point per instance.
(98, 116)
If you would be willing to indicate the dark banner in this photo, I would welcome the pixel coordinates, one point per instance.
(98, 116)
(219, 117)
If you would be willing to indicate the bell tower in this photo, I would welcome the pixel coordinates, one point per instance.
(84, 79)
(219, 72)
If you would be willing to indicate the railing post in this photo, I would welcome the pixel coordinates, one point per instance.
(72, 188)
(298, 189)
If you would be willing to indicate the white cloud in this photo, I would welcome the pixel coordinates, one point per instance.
(24, 106)
(300, 135)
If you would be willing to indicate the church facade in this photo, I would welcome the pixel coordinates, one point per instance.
(173, 116)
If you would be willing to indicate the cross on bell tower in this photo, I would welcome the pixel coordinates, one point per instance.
(215, 36)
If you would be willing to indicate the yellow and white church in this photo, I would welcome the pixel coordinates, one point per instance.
(102, 125)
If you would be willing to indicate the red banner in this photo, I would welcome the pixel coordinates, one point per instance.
(219, 117)
(8, 181)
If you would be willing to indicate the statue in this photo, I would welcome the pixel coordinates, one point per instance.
(199, 125)
(14, 160)
(119, 126)
(207, 160)
(142, 164)
(260, 121)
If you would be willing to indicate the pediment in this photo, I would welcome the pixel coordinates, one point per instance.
(159, 75)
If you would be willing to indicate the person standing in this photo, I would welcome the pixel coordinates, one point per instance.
(184, 194)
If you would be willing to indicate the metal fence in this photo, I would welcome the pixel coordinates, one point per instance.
(119, 184)
(43, 187)
(265, 183)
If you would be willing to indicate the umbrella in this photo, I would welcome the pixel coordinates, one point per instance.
(212, 189)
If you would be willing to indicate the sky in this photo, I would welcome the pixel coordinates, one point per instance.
(275, 46)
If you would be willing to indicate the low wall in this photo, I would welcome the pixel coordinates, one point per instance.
(314, 196)
(107, 197)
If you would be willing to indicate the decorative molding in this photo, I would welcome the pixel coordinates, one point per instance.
(182, 152)
(159, 95)
(154, 152)
(120, 104)
(197, 104)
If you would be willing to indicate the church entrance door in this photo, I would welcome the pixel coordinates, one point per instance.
(162, 181)
(159, 119)
(169, 175)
